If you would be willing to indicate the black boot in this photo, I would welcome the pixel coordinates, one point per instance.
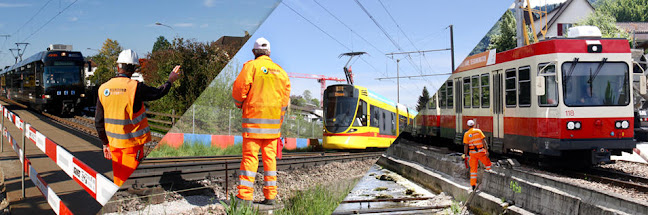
(268, 202)
(474, 187)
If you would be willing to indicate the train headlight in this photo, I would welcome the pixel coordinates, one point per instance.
(622, 124)
(82, 95)
(46, 96)
(571, 125)
(577, 125)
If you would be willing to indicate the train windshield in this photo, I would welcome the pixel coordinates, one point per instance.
(61, 75)
(596, 83)
(339, 113)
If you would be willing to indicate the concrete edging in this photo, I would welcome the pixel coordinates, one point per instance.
(529, 191)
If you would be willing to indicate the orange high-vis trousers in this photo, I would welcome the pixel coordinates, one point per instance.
(125, 161)
(250, 164)
(475, 158)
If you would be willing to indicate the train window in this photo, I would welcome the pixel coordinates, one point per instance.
(442, 97)
(393, 124)
(432, 104)
(375, 116)
(485, 91)
(361, 115)
(450, 97)
(466, 92)
(511, 88)
(550, 97)
(524, 95)
(475, 91)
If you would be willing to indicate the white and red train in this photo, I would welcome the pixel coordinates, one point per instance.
(559, 98)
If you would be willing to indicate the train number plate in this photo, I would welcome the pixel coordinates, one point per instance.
(569, 113)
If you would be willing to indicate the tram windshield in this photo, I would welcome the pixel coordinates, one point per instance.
(61, 75)
(339, 112)
(595, 83)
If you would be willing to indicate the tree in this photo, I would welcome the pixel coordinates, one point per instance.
(201, 63)
(507, 37)
(605, 22)
(106, 62)
(423, 99)
(624, 10)
(161, 44)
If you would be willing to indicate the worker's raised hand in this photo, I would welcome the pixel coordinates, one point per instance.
(175, 74)
(106, 152)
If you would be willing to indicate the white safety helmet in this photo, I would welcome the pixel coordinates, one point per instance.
(471, 123)
(262, 44)
(128, 57)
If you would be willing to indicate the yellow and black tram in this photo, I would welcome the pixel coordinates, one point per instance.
(356, 118)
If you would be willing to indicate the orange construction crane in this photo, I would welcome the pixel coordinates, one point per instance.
(320, 78)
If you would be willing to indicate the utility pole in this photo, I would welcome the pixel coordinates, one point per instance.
(452, 49)
(397, 82)
(519, 16)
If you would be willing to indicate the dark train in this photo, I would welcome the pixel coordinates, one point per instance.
(51, 81)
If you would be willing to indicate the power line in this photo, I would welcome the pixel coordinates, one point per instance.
(329, 35)
(32, 18)
(50, 20)
(345, 25)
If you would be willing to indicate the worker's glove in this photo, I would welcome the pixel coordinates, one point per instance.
(463, 156)
(175, 74)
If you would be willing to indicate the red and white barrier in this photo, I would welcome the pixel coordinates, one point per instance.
(644, 156)
(52, 199)
(96, 184)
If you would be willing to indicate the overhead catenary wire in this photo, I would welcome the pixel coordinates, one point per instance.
(326, 33)
(32, 18)
(50, 20)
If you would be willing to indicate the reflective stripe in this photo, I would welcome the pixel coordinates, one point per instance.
(129, 135)
(236, 100)
(260, 121)
(262, 130)
(473, 173)
(248, 173)
(473, 176)
(270, 173)
(473, 140)
(270, 183)
(247, 183)
(126, 121)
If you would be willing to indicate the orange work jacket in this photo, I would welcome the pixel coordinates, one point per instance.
(262, 90)
(475, 139)
(124, 128)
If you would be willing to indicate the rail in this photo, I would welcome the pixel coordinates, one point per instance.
(159, 171)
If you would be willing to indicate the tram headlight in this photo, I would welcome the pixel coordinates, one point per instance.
(625, 124)
(577, 125)
(82, 95)
(571, 125)
(622, 124)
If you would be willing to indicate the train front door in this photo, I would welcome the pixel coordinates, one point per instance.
(458, 96)
(497, 141)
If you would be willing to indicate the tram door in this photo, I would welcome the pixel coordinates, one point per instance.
(458, 96)
(498, 111)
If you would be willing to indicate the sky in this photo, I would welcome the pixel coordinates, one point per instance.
(300, 47)
(88, 23)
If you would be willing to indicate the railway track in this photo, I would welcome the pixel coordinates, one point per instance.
(613, 178)
(174, 170)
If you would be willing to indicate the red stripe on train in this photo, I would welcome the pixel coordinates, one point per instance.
(548, 127)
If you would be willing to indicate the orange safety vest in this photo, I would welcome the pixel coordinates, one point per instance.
(474, 138)
(123, 127)
(262, 90)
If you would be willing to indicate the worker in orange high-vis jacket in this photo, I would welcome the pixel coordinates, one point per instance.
(262, 91)
(120, 117)
(475, 145)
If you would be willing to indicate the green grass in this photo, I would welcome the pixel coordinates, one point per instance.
(239, 208)
(321, 199)
(195, 149)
